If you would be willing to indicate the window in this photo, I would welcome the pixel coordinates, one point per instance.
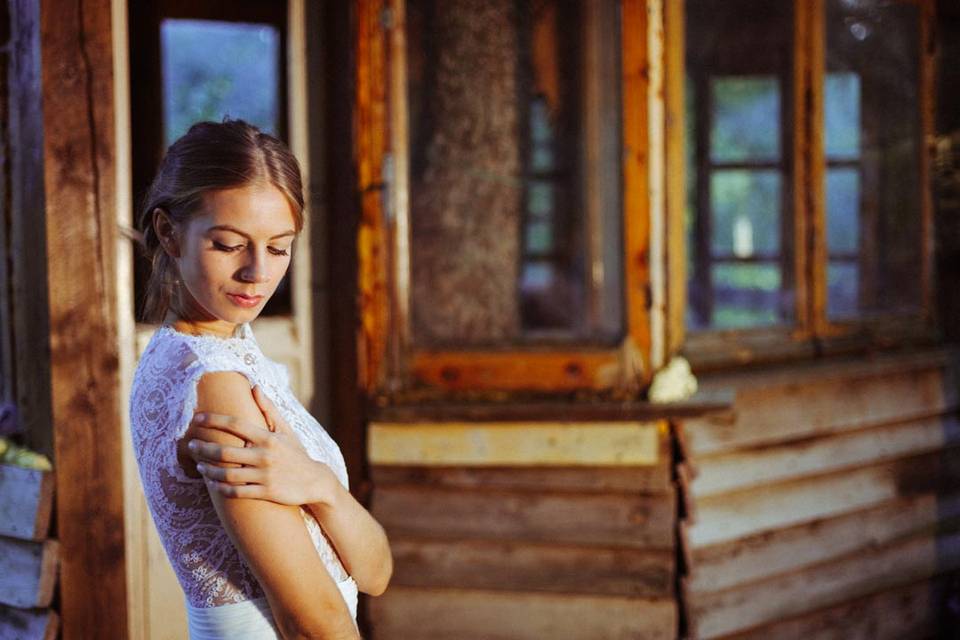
(203, 60)
(500, 216)
(807, 207)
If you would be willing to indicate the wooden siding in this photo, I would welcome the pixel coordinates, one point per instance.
(827, 495)
(578, 549)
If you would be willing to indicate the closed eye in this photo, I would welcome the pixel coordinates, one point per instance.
(219, 246)
(278, 252)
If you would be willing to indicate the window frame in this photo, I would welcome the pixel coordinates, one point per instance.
(813, 333)
(390, 366)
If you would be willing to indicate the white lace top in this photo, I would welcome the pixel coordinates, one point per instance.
(162, 402)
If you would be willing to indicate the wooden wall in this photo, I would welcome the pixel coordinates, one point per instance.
(826, 505)
(525, 530)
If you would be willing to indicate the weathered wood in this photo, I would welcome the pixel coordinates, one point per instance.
(731, 516)
(579, 518)
(516, 444)
(646, 479)
(427, 614)
(906, 613)
(31, 322)
(857, 575)
(26, 500)
(824, 454)
(583, 410)
(28, 572)
(768, 414)
(28, 624)
(481, 564)
(774, 552)
(79, 148)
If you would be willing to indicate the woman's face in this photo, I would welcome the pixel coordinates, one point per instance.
(233, 254)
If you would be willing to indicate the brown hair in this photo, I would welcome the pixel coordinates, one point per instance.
(209, 157)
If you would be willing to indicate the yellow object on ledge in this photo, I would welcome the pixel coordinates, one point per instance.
(22, 457)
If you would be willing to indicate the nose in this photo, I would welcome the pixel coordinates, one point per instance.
(255, 270)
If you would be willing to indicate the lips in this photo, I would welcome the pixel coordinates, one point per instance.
(243, 300)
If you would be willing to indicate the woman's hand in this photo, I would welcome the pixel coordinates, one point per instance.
(274, 467)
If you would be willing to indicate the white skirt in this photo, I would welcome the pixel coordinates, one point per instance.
(250, 619)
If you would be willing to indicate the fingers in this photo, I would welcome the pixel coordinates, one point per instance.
(201, 450)
(232, 475)
(267, 408)
(236, 490)
(241, 429)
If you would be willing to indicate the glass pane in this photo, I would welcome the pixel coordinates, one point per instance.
(515, 188)
(843, 211)
(746, 295)
(841, 98)
(746, 119)
(214, 69)
(873, 49)
(746, 213)
(739, 223)
(843, 284)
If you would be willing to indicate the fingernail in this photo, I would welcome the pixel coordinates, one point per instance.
(200, 417)
(192, 445)
(201, 468)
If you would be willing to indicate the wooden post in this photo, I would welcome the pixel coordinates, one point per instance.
(79, 160)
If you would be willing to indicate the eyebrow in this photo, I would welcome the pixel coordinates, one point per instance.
(226, 227)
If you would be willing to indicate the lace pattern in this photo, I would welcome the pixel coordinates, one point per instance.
(162, 401)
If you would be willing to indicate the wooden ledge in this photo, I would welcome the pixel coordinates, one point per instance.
(556, 411)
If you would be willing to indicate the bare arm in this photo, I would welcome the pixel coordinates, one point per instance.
(272, 537)
(279, 470)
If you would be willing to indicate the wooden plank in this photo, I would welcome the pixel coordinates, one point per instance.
(79, 148)
(830, 583)
(28, 572)
(905, 613)
(768, 415)
(756, 466)
(26, 500)
(648, 479)
(578, 518)
(732, 516)
(28, 624)
(516, 444)
(27, 239)
(583, 410)
(427, 614)
(482, 564)
(762, 556)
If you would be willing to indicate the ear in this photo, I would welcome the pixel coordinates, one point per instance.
(166, 231)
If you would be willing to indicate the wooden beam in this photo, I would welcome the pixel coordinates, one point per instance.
(26, 501)
(28, 624)
(648, 479)
(433, 614)
(907, 612)
(79, 166)
(31, 324)
(753, 467)
(769, 413)
(28, 572)
(516, 444)
(732, 516)
(559, 517)
(496, 565)
(826, 584)
(770, 553)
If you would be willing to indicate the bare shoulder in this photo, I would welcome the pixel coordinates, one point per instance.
(227, 393)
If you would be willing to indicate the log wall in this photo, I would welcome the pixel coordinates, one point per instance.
(826, 504)
(527, 541)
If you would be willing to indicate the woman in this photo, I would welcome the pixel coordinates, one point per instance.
(249, 493)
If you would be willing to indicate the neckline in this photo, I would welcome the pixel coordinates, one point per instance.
(242, 334)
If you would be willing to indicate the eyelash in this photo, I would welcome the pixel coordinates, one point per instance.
(228, 249)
